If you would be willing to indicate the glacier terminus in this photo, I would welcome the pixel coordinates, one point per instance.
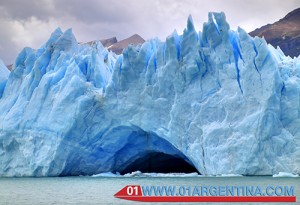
(220, 100)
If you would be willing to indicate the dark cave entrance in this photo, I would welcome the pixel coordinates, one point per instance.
(127, 149)
(159, 162)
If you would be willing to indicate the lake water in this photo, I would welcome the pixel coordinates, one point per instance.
(100, 190)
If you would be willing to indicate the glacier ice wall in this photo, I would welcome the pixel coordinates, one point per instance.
(222, 100)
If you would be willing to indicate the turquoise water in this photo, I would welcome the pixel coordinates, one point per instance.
(90, 190)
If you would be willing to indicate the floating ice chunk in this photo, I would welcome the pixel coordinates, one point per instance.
(140, 174)
(107, 174)
(229, 175)
(285, 174)
(134, 174)
(194, 174)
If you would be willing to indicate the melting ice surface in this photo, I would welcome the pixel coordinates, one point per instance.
(220, 100)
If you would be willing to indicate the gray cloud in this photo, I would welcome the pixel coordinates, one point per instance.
(8, 49)
(22, 10)
(30, 23)
(94, 11)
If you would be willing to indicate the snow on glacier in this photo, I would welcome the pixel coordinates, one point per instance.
(221, 100)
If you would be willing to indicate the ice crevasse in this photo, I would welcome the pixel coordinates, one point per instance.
(219, 99)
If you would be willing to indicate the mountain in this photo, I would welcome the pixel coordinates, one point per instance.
(217, 100)
(106, 42)
(119, 46)
(284, 33)
(9, 67)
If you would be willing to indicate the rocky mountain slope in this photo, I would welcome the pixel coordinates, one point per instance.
(106, 42)
(284, 33)
(119, 46)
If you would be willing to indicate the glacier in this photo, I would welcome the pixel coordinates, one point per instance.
(222, 101)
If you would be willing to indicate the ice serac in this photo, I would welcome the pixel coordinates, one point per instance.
(219, 99)
(4, 72)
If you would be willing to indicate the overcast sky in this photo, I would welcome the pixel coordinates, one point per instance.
(30, 22)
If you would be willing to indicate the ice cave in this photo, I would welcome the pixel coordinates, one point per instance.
(134, 150)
